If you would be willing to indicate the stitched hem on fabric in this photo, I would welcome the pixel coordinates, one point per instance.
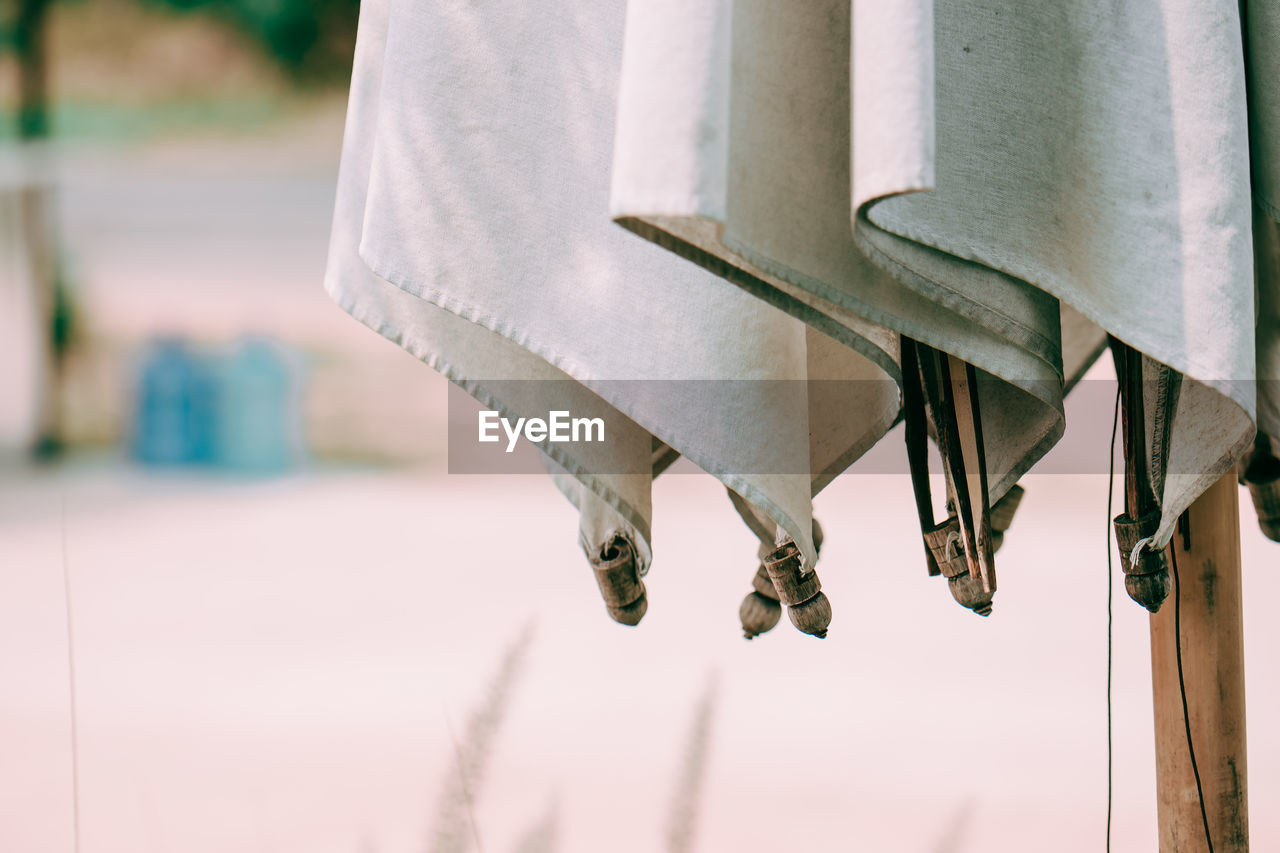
(995, 321)
(378, 323)
(1154, 349)
(1225, 463)
(674, 439)
(895, 322)
(764, 290)
(749, 517)
(1149, 346)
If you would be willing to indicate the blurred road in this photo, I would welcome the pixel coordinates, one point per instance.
(268, 666)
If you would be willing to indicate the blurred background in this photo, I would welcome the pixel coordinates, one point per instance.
(244, 607)
(167, 182)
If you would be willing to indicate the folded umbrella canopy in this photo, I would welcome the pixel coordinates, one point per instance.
(464, 352)
(1012, 167)
(1028, 175)
(961, 199)
(472, 229)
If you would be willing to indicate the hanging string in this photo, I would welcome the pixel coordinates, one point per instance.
(1182, 690)
(1111, 488)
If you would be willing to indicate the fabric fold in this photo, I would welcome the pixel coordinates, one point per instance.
(1098, 152)
(487, 189)
(1001, 182)
(465, 353)
(734, 150)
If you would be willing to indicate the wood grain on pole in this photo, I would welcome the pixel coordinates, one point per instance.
(1213, 669)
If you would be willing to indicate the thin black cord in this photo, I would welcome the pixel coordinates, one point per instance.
(1182, 690)
(1111, 487)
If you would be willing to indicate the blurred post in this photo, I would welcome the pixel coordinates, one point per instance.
(36, 240)
(1209, 595)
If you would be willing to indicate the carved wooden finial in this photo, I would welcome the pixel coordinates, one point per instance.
(760, 610)
(962, 547)
(759, 613)
(1260, 471)
(1146, 572)
(807, 605)
(619, 580)
(947, 547)
(1146, 579)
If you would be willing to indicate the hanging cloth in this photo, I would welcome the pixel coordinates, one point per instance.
(484, 250)
(735, 150)
(1100, 152)
(469, 354)
(1000, 165)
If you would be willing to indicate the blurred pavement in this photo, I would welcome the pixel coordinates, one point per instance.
(267, 666)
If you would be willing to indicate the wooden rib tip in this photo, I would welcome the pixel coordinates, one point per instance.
(758, 614)
(812, 616)
(1151, 591)
(631, 614)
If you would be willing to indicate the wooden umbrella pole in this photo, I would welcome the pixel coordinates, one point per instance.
(1207, 609)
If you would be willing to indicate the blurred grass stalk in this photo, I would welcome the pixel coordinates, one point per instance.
(541, 838)
(682, 820)
(453, 829)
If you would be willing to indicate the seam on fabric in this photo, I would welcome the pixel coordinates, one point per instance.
(1035, 341)
(893, 322)
(763, 290)
(1156, 351)
(1153, 348)
(846, 460)
(476, 316)
(381, 325)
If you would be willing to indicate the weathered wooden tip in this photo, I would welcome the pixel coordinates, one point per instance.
(763, 584)
(968, 592)
(1149, 590)
(1270, 528)
(783, 567)
(807, 606)
(619, 580)
(759, 614)
(1146, 579)
(812, 616)
(1262, 476)
(943, 541)
(632, 613)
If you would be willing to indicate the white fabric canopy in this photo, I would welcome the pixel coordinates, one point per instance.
(466, 353)
(476, 169)
(993, 158)
(996, 180)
